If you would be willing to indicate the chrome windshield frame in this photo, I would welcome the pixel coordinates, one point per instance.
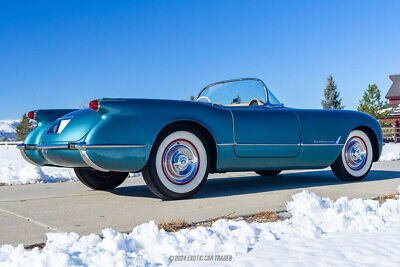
(267, 103)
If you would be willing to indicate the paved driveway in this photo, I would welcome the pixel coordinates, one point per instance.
(27, 212)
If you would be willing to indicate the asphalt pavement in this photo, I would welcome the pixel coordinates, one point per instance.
(28, 212)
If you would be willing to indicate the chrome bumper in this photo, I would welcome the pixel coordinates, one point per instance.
(72, 146)
(82, 147)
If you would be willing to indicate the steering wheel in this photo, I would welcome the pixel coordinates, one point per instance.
(204, 97)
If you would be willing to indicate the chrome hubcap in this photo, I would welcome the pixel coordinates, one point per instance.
(356, 153)
(180, 162)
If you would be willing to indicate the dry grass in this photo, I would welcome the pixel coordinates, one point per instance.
(179, 224)
(265, 216)
(382, 199)
(174, 225)
(40, 246)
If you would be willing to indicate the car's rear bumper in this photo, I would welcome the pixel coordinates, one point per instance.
(102, 157)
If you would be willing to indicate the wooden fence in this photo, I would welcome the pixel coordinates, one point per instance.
(391, 134)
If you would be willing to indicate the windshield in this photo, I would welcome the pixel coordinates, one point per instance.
(243, 92)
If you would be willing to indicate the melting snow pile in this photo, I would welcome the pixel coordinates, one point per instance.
(320, 231)
(15, 170)
(390, 151)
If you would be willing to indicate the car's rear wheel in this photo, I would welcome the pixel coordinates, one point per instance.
(100, 180)
(268, 173)
(355, 159)
(178, 164)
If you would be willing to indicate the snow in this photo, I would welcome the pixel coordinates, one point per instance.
(15, 170)
(321, 232)
(7, 129)
(390, 152)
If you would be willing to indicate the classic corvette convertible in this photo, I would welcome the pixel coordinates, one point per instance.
(234, 125)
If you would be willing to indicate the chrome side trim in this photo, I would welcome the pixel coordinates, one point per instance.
(299, 144)
(84, 146)
(227, 144)
(338, 140)
(90, 163)
(28, 159)
(333, 144)
(267, 144)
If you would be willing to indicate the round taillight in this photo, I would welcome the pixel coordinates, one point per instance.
(31, 115)
(94, 105)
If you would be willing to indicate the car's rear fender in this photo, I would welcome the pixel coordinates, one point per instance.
(44, 119)
(137, 122)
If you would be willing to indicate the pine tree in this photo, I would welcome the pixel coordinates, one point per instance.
(372, 104)
(23, 128)
(332, 100)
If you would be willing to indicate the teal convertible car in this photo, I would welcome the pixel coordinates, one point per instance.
(235, 125)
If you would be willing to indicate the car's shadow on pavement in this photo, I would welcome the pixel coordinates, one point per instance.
(257, 184)
(220, 187)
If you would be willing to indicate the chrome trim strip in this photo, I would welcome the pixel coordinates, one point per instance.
(227, 144)
(55, 146)
(73, 146)
(28, 159)
(338, 140)
(115, 146)
(300, 144)
(333, 144)
(267, 144)
(84, 146)
(90, 163)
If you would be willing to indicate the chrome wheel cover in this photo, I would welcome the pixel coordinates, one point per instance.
(180, 162)
(356, 153)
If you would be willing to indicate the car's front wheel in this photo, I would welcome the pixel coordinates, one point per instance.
(355, 159)
(178, 164)
(98, 180)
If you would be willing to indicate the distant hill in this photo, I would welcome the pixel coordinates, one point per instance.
(7, 129)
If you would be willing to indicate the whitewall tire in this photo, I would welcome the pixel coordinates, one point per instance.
(178, 164)
(356, 157)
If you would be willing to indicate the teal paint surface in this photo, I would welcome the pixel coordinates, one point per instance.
(139, 121)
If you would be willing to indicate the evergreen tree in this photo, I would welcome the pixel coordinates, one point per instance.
(23, 128)
(332, 100)
(5, 139)
(372, 104)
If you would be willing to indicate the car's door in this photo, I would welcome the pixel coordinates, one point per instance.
(265, 131)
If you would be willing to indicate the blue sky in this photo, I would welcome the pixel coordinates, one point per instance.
(59, 54)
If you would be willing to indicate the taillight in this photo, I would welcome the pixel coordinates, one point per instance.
(31, 115)
(94, 105)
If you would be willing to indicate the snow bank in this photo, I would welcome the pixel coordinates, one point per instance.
(390, 151)
(320, 231)
(15, 170)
